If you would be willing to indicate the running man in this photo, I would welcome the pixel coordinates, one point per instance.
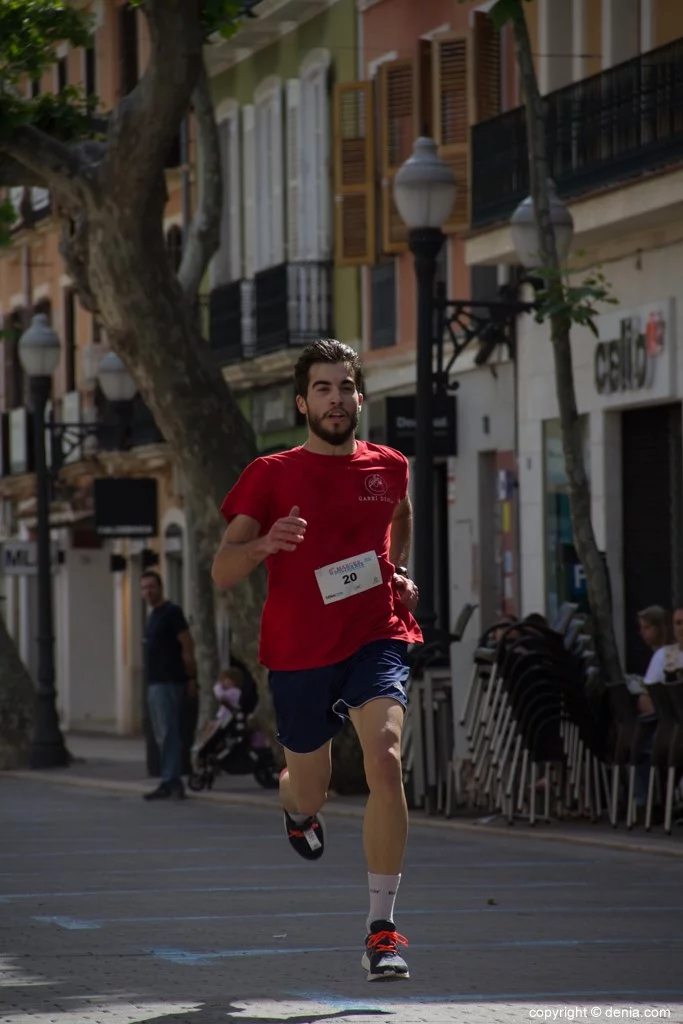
(332, 520)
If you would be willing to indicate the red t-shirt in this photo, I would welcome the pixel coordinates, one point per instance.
(348, 502)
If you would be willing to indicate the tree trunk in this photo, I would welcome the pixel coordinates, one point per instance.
(204, 611)
(17, 697)
(149, 323)
(560, 327)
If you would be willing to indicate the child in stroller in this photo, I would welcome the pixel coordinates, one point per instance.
(229, 743)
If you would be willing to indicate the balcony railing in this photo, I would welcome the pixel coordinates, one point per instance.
(292, 305)
(621, 124)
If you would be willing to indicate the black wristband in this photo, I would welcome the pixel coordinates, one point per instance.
(401, 570)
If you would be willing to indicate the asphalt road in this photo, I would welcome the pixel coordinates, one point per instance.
(113, 911)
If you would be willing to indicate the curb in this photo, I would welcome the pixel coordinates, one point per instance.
(333, 809)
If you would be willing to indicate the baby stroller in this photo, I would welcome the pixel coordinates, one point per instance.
(230, 748)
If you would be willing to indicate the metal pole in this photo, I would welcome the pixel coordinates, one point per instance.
(425, 244)
(48, 749)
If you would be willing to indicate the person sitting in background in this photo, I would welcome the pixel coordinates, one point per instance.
(667, 661)
(655, 630)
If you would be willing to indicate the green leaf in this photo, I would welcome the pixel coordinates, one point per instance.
(30, 31)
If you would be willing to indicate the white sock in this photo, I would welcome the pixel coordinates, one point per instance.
(299, 819)
(383, 889)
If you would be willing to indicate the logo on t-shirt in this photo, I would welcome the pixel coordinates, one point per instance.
(376, 485)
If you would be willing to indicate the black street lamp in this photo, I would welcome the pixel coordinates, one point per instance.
(424, 192)
(39, 352)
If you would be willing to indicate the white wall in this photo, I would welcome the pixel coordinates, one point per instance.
(90, 656)
(481, 394)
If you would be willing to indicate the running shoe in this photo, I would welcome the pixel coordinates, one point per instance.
(306, 837)
(381, 958)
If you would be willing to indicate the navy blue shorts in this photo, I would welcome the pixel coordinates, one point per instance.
(312, 704)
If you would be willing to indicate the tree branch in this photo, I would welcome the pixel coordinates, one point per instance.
(56, 164)
(205, 231)
(145, 123)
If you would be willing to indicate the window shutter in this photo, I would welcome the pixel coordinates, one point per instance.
(398, 133)
(221, 263)
(249, 173)
(321, 165)
(234, 200)
(277, 170)
(451, 80)
(294, 167)
(485, 93)
(354, 174)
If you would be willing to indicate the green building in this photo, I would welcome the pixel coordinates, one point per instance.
(273, 286)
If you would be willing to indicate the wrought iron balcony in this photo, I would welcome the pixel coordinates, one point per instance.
(292, 305)
(225, 322)
(621, 124)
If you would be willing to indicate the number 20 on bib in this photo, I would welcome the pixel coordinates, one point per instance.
(341, 580)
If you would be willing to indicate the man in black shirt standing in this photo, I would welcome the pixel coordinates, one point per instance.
(169, 672)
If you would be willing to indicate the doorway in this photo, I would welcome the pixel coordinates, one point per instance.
(652, 498)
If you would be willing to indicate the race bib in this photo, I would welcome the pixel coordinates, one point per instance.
(351, 576)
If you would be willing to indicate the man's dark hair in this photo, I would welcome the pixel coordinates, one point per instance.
(150, 574)
(327, 350)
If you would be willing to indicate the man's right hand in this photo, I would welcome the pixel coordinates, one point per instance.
(286, 534)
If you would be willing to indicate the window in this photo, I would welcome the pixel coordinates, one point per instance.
(128, 49)
(15, 381)
(69, 339)
(174, 246)
(90, 72)
(269, 207)
(383, 304)
(315, 156)
(35, 88)
(62, 73)
(563, 579)
(226, 265)
(449, 81)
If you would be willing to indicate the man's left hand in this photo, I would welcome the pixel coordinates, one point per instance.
(407, 591)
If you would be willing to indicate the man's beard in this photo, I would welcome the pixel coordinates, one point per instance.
(334, 437)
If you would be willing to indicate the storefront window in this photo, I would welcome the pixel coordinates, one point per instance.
(564, 579)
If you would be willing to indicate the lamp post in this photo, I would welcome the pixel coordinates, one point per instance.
(39, 352)
(424, 192)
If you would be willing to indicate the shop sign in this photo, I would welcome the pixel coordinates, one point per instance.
(627, 363)
(402, 424)
(125, 506)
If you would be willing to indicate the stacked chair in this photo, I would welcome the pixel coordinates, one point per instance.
(532, 713)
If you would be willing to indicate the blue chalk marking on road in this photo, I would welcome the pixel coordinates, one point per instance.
(185, 956)
(8, 896)
(72, 924)
(405, 912)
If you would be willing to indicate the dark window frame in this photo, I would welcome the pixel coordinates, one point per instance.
(383, 313)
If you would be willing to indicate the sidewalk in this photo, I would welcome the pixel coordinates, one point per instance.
(117, 764)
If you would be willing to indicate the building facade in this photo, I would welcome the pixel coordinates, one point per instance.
(274, 285)
(615, 134)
